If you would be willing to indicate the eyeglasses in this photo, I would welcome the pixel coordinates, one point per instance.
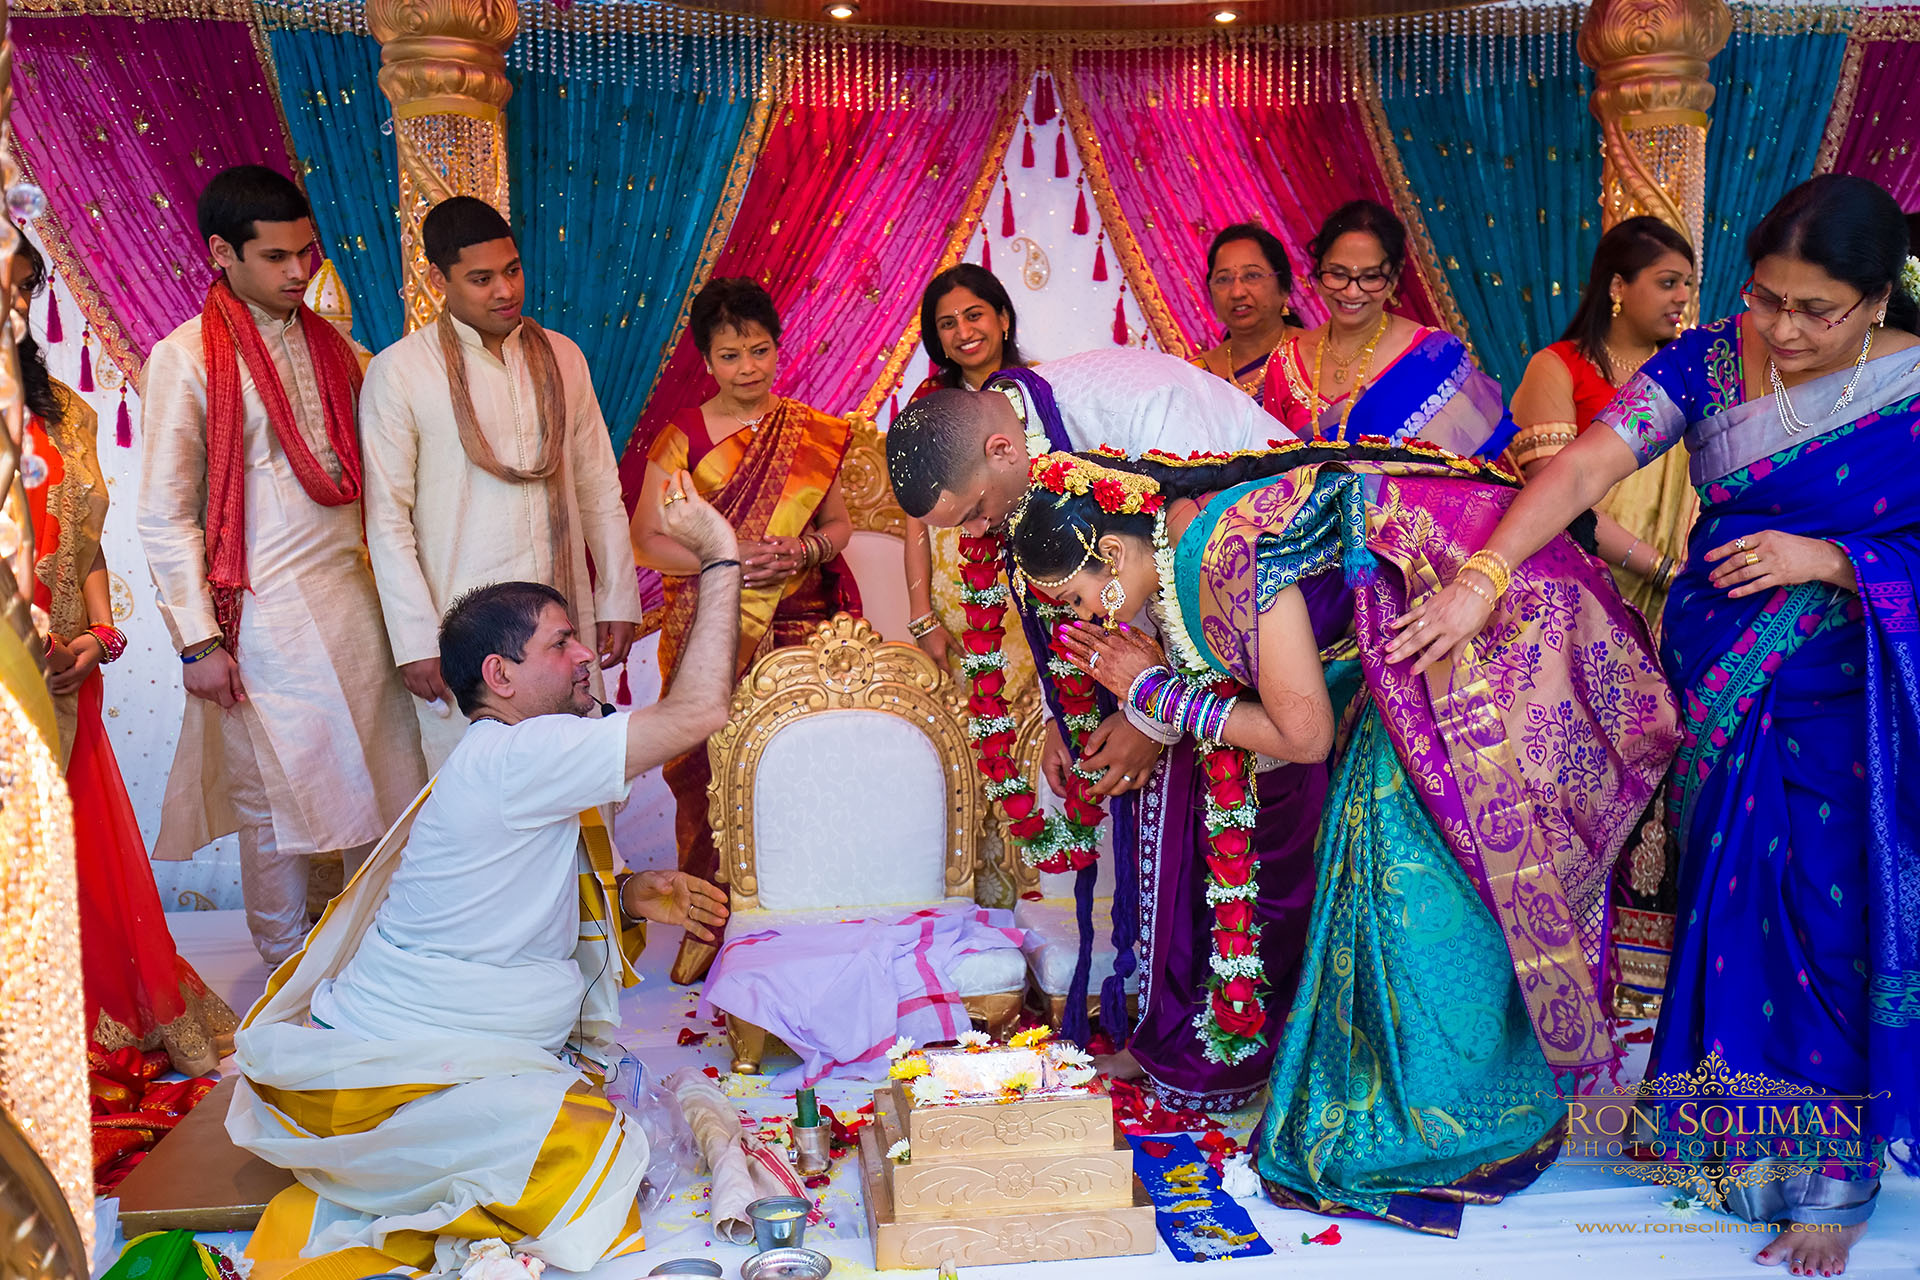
(1766, 308)
(1334, 279)
(1252, 278)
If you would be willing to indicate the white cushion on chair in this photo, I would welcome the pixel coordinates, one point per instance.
(849, 810)
(979, 973)
(1053, 943)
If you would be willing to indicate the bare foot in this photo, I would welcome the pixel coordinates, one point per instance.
(1811, 1253)
(1118, 1066)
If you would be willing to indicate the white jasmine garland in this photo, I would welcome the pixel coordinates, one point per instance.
(1235, 966)
(1219, 893)
(1182, 653)
(986, 727)
(1910, 277)
(975, 664)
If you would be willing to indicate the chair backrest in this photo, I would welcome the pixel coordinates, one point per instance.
(845, 778)
(877, 551)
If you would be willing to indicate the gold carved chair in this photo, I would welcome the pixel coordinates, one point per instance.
(1044, 909)
(877, 551)
(844, 788)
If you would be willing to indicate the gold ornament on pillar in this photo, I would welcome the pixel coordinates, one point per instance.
(46, 1165)
(1649, 59)
(443, 66)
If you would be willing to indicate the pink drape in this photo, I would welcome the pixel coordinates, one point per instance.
(850, 210)
(1886, 118)
(121, 122)
(1185, 159)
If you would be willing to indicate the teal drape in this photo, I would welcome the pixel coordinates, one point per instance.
(330, 90)
(1772, 95)
(620, 150)
(1506, 167)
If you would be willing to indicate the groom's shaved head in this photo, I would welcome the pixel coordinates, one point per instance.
(939, 443)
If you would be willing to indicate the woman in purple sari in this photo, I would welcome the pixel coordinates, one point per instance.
(1451, 983)
(1793, 642)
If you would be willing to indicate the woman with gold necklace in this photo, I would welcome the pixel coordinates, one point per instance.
(1249, 280)
(1368, 372)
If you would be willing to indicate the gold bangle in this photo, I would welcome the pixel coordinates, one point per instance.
(1463, 581)
(1493, 567)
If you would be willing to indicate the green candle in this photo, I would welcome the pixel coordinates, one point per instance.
(809, 1110)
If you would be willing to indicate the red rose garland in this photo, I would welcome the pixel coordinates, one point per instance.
(1060, 843)
(1233, 1020)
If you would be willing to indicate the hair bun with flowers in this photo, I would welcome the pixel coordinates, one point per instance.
(1910, 277)
(1116, 492)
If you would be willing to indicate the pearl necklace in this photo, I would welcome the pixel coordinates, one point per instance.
(1791, 420)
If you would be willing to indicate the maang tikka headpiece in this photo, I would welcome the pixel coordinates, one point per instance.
(1069, 474)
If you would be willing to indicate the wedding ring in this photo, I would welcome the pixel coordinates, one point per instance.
(1419, 624)
(1753, 557)
(672, 498)
(1126, 777)
(1093, 660)
(1740, 544)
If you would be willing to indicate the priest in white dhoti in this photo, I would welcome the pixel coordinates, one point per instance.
(430, 1067)
(298, 734)
(487, 459)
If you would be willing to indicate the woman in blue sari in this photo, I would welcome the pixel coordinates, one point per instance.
(1368, 372)
(1793, 643)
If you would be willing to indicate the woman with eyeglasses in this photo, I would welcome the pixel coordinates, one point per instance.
(1793, 642)
(1249, 279)
(1368, 372)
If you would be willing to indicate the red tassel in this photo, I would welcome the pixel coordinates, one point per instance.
(893, 408)
(1100, 262)
(986, 253)
(86, 364)
(1044, 106)
(1120, 331)
(623, 695)
(123, 425)
(56, 332)
(1080, 214)
(1006, 213)
(1060, 153)
(1026, 150)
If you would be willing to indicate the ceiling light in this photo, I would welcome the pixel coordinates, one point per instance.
(1224, 16)
(842, 9)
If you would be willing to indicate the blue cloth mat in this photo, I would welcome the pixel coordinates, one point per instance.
(1198, 1220)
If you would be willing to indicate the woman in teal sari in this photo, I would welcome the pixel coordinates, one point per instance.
(1793, 641)
(1453, 980)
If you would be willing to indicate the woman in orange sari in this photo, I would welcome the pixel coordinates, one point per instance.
(146, 1009)
(772, 467)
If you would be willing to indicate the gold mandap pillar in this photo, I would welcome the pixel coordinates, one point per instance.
(1651, 97)
(443, 66)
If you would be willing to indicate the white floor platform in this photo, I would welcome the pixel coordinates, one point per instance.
(1537, 1235)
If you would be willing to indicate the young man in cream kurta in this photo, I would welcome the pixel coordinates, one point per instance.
(297, 733)
(439, 523)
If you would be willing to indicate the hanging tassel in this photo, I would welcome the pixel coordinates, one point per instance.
(1044, 106)
(1100, 260)
(1060, 153)
(893, 407)
(1080, 214)
(56, 332)
(1006, 213)
(986, 253)
(1026, 150)
(123, 424)
(1121, 334)
(623, 695)
(86, 364)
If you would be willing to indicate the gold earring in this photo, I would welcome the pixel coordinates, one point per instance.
(1616, 308)
(1113, 598)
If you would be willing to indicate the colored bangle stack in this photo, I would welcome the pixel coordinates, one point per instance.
(819, 551)
(189, 659)
(1492, 566)
(923, 626)
(1663, 573)
(1178, 703)
(111, 639)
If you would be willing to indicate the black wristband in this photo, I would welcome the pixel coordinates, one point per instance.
(720, 564)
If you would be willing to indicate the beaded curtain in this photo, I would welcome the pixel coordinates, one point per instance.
(620, 140)
(1762, 141)
(1505, 159)
(342, 133)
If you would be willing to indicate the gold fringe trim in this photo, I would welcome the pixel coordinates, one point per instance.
(194, 1042)
(1840, 117)
(210, 10)
(1126, 246)
(1386, 153)
(991, 163)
